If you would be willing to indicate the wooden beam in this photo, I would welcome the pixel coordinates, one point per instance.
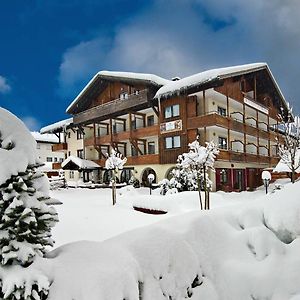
(155, 110)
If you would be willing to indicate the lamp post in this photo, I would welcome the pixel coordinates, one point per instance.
(266, 177)
(150, 179)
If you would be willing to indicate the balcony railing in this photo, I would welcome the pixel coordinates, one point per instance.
(114, 108)
(214, 119)
(56, 166)
(147, 159)
(246, 157)
(139, 133)
(60, 147)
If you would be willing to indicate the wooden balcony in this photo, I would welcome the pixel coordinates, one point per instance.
(145, 132)
(60, 147)
(233, 156)
(56, 166)
(114, 108)
(148, 159)
(229, 123)
(140, 133)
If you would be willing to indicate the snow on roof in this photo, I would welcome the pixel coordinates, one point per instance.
(55, 126)
(174, 87)
(127, 75)
(283, 166)
(81, 163)
(137, 76)
(48, 137)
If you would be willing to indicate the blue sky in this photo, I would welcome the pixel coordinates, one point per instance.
(50, 49)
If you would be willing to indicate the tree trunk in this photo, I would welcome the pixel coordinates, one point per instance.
(113, 188)
(293, 176)
(205, 190)
(199, 191)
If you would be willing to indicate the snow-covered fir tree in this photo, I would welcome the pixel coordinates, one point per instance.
(26, 218)
(115, 162)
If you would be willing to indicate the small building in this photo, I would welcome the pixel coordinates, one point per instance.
(45, 144)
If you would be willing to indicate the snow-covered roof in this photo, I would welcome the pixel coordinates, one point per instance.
(175, 87)
(56, 126)
(48, 137)
(81, 163)
(151, 78)
(283, 166)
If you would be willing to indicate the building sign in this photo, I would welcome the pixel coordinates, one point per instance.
(171, 126)
(256, 106)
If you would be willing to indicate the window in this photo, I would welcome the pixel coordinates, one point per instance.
(126, 175)
(71, 174)
(222, 143)
(133, 124)
(134, 152)
(150, 120)
(172, 111)
(114, 128)
(224, 176)
(55, 159)
(172, 142)
(80, 153)
(69, 134)
(151, 147)
(222, 111)
(69, 153)
(61, 160)
(38, 146)
(124, 96)
(49, 159)
(79, 135)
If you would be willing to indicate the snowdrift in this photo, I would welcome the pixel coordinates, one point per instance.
(243, 251)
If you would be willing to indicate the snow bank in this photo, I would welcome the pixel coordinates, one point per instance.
(233, 252)
(17, 146)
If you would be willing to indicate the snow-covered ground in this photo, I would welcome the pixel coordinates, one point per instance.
(246, 247)
(88, 214)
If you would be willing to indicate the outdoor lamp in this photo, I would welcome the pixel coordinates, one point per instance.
(150, 179)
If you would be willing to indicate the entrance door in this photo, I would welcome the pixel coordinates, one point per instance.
(239, 180)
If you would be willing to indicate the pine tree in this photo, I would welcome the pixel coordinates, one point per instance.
(26, 218)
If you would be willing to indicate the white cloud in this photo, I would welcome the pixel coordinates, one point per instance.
(180, 37)
(32, 123)
(4, 86)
